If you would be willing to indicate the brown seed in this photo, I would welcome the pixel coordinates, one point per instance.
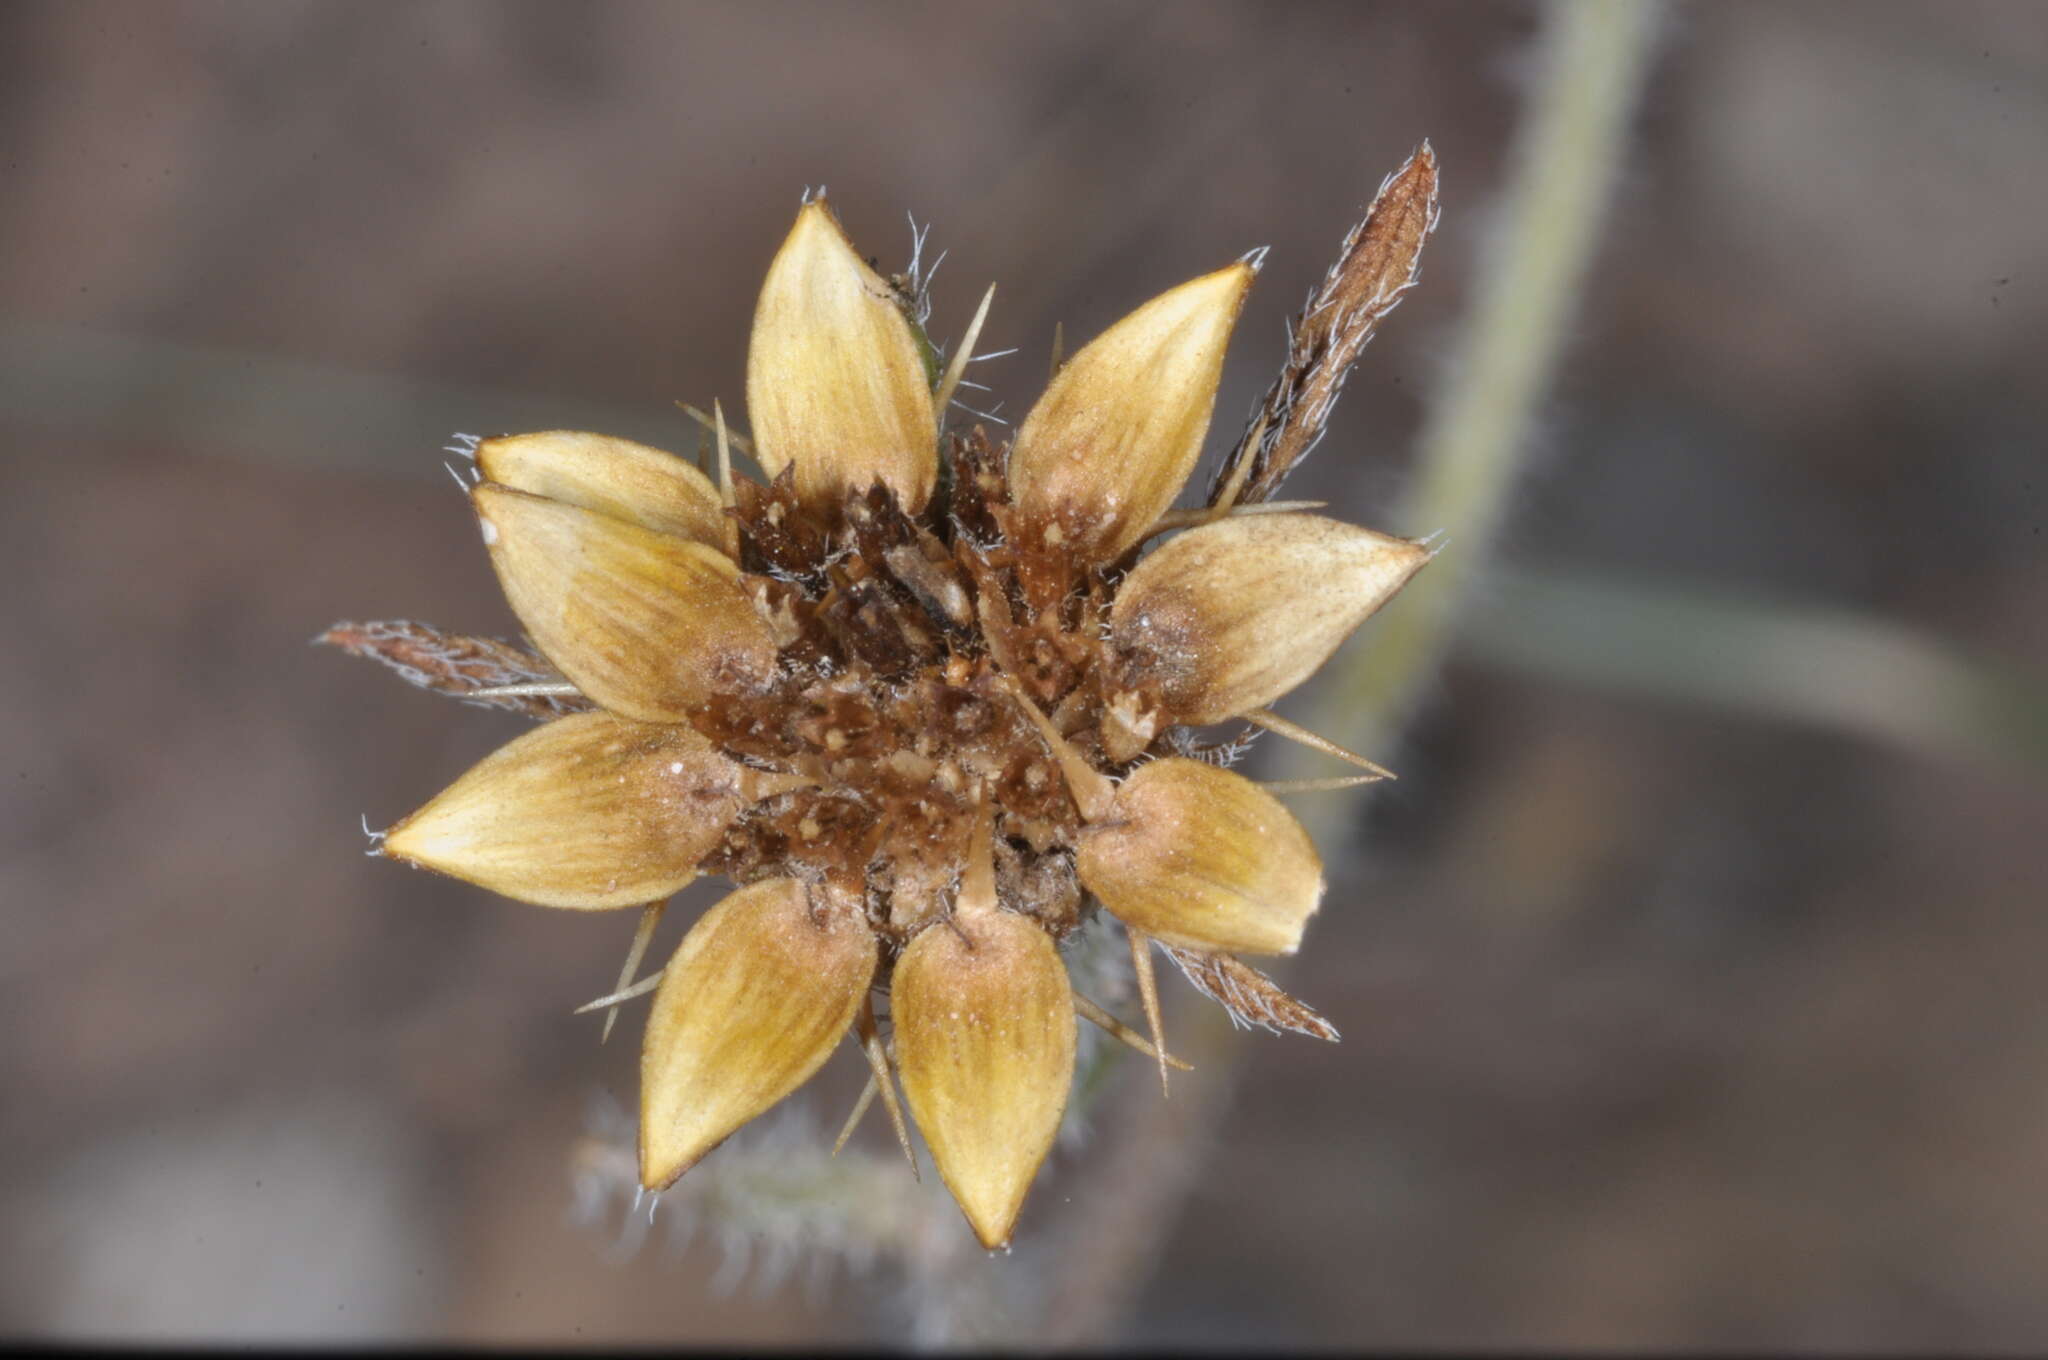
(648, 625)
(1203, 858)
(760, 993)
(835, 382)
(1110, 444)
(588, 811)
(1230, 616)
(985, 1036)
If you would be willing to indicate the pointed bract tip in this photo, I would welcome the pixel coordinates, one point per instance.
(984, 1017)
(589, 812)
(1201, 858)
(671, 628)
(1257, 601)
(1111, 442)
(836, 383)
(754, 1001)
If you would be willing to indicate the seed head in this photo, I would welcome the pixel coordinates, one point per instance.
(921, 696)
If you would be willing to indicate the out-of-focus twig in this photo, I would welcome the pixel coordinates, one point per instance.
(1826, 667)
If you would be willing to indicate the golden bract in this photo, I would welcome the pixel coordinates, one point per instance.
(923, 698)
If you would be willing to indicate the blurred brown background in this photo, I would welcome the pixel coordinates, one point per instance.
(1691, 981)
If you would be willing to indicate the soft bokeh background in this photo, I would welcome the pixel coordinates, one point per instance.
(1691, 976)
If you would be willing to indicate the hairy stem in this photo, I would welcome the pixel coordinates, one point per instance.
(1567, 154)
(1475, 441)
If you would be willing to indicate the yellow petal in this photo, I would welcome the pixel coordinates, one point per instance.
(985, 1039)
(615, 477)
(753, 1002)
(1203, 859)
(835, 381)
(1108, 447)
(586, 811)
(1232, 615)
(646, 624)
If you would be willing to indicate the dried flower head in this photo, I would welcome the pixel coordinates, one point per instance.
(923, 697)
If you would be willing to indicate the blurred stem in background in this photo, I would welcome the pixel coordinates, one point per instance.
(1568, 150)
(1476, 437)
(1826, 667)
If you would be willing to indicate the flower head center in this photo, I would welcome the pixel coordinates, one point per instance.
(900, 638)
